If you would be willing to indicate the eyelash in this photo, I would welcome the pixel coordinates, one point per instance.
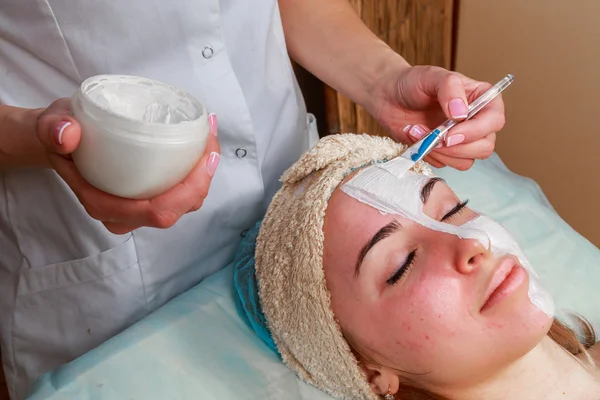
(460, 207)
(410, 260)
(408, 264)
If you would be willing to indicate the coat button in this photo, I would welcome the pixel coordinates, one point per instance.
(207, 52)
(241, 152)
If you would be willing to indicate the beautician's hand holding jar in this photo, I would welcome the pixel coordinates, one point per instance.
(60, 134)
(79, 264)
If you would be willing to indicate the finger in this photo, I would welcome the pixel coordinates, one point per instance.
(479, 150)
(449, 88)
(58, 130)
(100, 205)
(433, 162)
(461, 164)
(452, 97)
(415, 133)
(437, 160)
(189, 194)
(418, 132)
(489, 120)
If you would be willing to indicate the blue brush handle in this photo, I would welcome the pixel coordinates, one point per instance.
(429, 142)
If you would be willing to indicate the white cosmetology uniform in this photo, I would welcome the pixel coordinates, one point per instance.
(66, 283)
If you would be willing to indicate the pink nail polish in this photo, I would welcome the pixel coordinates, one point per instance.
(213, 161)
(458, 108)
(417, 132)
(212, 122)
(60, 129)
(406, 128)
(455, 139)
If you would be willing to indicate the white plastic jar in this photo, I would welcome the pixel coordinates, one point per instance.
(140, 137)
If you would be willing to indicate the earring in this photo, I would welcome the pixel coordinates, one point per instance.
(389, 395)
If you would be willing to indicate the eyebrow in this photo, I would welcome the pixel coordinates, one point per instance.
(428, 188)
(381, 234)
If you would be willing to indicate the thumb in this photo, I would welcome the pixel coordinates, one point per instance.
(57, 129)
(452, 96)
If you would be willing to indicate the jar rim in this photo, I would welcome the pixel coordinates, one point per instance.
(132, 123)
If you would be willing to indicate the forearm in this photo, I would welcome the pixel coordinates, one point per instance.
(19, 145)
(330, 40)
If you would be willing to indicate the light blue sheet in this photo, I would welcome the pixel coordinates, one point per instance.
(198, 347)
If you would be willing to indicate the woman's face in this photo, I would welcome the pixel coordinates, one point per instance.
(438, 310)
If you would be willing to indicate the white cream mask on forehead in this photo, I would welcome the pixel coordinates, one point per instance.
(390, 189)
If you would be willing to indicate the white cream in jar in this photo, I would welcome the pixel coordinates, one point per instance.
(140, 137)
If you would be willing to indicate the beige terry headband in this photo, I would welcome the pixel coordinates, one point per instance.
(289, 264)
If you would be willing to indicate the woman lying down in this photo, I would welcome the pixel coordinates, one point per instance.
(375, 285)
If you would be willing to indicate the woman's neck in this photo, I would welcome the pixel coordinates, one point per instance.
(548, 372)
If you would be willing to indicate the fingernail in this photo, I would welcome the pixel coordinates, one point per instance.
(60, 129)
(455, 139)
(212, 122)
(213, 161)
(406, 128)
(439, 146)
(417, 132)
(458, 108)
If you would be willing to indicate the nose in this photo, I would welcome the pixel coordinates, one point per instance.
(470, 255)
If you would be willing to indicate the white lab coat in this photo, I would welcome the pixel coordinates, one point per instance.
(66, 283)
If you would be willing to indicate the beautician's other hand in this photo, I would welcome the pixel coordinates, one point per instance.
(418, 99)
(60, 134)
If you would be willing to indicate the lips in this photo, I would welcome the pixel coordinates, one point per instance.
(505, 279)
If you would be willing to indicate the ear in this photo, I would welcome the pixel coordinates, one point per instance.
(383, 380)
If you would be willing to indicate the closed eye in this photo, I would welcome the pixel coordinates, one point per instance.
(404, 268)
(455, 211)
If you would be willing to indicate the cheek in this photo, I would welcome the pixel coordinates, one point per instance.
(424, 316)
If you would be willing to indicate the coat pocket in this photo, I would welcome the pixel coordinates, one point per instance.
(66, 309)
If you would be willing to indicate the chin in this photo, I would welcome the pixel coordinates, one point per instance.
(539, 320)
(518, 323)
(529, 332)
(532, 317)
